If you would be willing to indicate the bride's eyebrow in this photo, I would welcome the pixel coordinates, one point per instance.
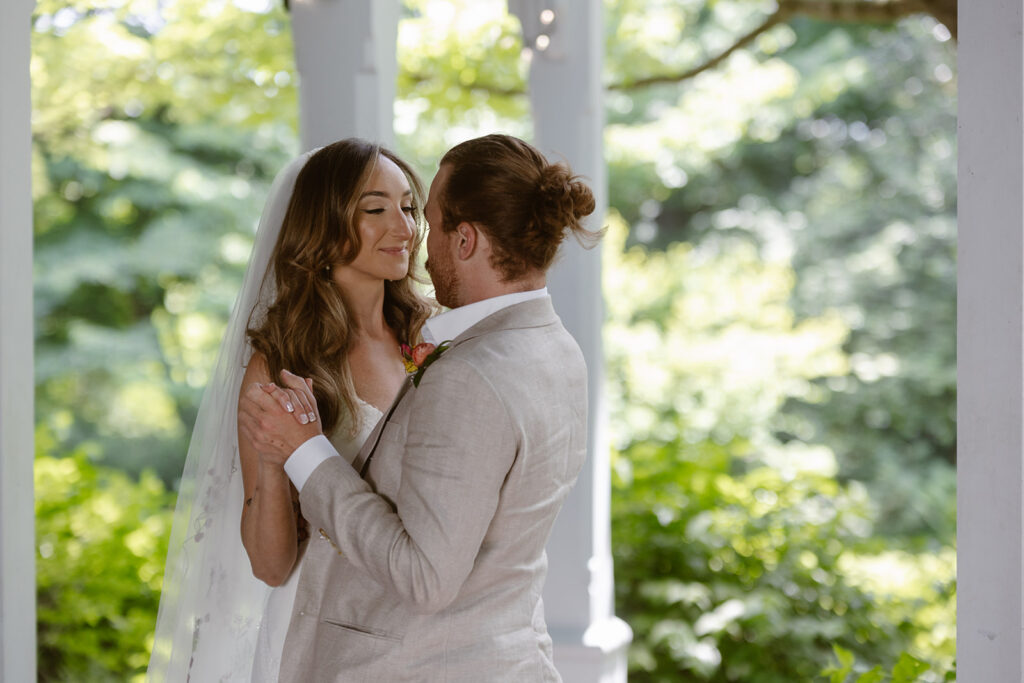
(385, 195)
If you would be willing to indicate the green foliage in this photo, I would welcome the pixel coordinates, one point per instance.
(831, 150)
(908, 669)
(460, 72)
(156, 132)
(102, 540)
(740, 557)
(889, 265)
(832, 146)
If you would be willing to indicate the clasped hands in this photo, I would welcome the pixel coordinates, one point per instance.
(277, 419)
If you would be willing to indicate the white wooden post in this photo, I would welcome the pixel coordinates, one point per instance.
(990, 357)
(345, 53)
(17, 526)
(567, 99)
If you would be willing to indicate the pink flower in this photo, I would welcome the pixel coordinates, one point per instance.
(420, 356)
(420, 353)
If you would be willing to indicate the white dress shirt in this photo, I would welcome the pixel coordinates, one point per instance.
(444, 327)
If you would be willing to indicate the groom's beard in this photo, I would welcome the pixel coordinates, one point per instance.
(446, 281)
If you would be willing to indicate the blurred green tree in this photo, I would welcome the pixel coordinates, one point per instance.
(156, 131)
(833, 145)
(102, 537)
(739, 556)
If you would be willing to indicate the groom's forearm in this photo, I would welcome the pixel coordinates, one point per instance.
(423, 539)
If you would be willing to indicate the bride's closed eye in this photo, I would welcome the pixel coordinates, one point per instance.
(406, 209)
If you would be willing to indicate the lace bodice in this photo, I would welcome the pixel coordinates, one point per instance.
(348, 444)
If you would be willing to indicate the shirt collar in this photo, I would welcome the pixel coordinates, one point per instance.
(449, 325)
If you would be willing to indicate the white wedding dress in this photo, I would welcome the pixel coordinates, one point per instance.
(278, 612)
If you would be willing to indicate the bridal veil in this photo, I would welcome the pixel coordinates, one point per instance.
(211, 605)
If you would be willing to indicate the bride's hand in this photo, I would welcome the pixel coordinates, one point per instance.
(265, 420)
(295, 396)
(301, 392)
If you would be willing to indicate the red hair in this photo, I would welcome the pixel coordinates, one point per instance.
(525, 205)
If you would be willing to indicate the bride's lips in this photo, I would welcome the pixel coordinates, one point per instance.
(395, 251)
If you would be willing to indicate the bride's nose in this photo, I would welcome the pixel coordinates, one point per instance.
(404, 225)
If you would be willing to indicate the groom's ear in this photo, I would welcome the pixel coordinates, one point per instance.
(468, 240)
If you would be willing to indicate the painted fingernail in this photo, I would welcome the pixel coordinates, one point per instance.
(303, 418)
(312, 417)
(289, 407)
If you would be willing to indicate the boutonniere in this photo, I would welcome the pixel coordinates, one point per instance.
(419, 357)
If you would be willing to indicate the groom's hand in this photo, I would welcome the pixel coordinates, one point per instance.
(276, 419)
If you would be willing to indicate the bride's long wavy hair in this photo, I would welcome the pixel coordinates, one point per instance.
(307, 329)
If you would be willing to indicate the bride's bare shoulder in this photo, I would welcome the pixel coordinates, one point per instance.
(255, 371)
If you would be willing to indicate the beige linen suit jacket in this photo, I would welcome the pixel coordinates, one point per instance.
(436, 557)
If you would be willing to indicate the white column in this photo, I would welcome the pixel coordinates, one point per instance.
(345, 52)
(567, 100)
(17, 526)
(990, 357)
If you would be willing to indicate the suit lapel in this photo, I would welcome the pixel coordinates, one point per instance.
(362, 459)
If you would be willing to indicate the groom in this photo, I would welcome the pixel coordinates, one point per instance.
(430, 561)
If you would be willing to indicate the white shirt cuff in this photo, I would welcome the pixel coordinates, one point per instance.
(306, 458)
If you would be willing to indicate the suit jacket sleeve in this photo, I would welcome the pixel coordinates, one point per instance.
(460, 444)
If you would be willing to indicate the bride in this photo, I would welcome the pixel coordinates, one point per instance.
(329, 295)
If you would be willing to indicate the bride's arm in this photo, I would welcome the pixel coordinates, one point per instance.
(269, 531)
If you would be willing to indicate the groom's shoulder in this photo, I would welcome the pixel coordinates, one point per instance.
(520, 352)
(525, 337)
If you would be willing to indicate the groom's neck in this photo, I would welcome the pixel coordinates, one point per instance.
(492, 285)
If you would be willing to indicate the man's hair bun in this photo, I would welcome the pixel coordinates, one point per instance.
(562, 200)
